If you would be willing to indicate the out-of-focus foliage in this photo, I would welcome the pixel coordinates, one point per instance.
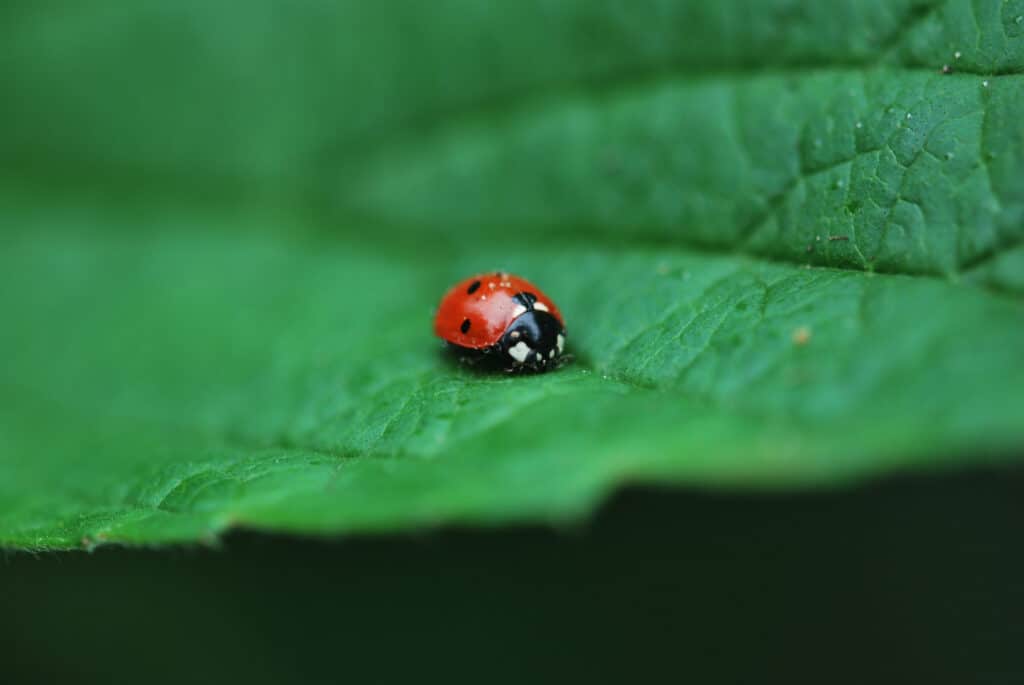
(936, 558)
(787, 245)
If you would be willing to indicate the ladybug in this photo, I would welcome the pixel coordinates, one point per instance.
(504, 318)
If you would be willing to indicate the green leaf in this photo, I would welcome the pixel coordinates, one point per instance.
(789, 249)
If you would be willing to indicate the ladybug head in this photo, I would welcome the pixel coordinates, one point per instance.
(534, 339)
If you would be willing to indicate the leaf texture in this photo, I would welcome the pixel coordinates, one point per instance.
(788, 247)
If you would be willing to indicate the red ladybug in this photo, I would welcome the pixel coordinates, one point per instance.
(502, 317)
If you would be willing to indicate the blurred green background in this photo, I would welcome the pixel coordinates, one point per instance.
(790, 249)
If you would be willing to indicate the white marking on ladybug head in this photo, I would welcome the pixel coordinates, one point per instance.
(561, 343)
(520, 309)
(540, 306)
(520, 351)
(539, 357)
(551, 354)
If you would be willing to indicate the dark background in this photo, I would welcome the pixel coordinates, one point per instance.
(907, 580)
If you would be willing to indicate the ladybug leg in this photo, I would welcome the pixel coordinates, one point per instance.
(477, 359)
(562, 360)
(465, 357)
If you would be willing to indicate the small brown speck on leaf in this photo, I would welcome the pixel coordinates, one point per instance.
(802, 335)
(833, 238)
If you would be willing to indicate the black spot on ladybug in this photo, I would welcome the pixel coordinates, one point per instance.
(465, 324)
(474, 286)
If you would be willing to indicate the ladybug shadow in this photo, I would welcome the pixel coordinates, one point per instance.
(490, 363)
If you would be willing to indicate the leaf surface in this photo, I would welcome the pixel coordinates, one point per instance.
(787, 246)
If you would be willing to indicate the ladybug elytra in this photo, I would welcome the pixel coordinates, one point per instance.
(503, 317)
